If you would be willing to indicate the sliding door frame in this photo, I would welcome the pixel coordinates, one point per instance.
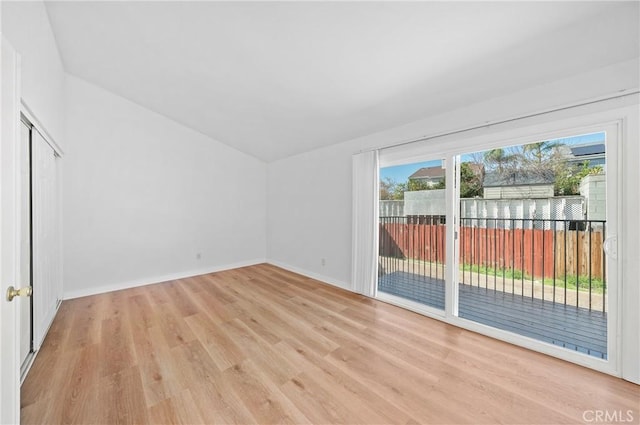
(421, 155)
(452, 147)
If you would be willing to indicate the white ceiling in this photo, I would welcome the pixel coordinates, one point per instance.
(273, 79)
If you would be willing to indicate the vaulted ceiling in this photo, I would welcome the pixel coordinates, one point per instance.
(273, 79)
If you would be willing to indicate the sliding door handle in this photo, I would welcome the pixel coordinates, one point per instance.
(610, 247)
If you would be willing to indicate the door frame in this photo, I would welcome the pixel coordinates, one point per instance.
(9, 233)
(518, 132)
(614, 176)
(25, 364)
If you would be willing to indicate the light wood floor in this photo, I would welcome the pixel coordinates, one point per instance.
(262, 345)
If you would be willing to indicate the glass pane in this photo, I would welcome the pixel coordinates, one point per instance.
(412, 245)
(532, 226)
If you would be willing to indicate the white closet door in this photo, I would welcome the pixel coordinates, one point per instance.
(47, 267)
(25, 241)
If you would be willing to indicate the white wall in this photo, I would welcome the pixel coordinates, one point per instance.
(309, 195)
(318, 183)
(309, 214)
(144, 195)
(518, 192)
(26, 26)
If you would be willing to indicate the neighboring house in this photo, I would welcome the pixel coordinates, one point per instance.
(518, 184)
(430, 175)
(593, 154)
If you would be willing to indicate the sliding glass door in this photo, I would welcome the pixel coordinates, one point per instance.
(532, 238)
(517, 241)
(413, 233)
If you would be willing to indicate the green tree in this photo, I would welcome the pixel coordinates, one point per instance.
(387, 186)
(471, 185)
(539, 155)
(398, 191)
(567, 181)
(470, 182)
(415, 185)
(390, 190)
(442, 184)
(499, 159)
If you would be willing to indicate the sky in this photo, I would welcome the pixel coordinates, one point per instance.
(401, 173)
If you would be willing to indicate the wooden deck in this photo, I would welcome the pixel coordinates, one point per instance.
(572, 327)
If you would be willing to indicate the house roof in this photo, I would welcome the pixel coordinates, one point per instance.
(518, 178)
(588, 150)
(428, 173)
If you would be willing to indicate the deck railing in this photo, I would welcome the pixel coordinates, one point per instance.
(560, 261)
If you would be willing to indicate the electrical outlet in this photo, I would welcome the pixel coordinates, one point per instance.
(323, 262)
(198, 256)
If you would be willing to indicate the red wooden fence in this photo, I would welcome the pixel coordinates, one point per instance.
(536, 252)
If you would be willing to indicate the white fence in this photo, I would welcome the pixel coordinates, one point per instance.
(432, 202)
(391, 208)
(524, 212)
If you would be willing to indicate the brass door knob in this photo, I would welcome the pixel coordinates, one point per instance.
(22, 292)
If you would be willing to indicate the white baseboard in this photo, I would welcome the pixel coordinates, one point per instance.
(158, 279)
(312, 275)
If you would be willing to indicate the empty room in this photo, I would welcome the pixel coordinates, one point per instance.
(320, 212)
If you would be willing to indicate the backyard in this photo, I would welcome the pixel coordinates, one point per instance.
(545, 283)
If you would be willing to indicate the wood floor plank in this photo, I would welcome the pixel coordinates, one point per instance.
(260, 344)
(43, 390)
(223, 350)
(122, 401)
(260, 327)
(117, 351)
(159, 372)
(180, 410)
(164, 412)
(320, 314)
(372, 408)
(194, 362)
(286, 325)
(87, 321)
(259, 352)
(80, 395)
(212, 306)
(141, 312)
(410, 390)
(263, 404)
(157, 294)
(179, 292)
(174, 328)
(218, 403)
(215, 287)
(53, 359)
(317, 404)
